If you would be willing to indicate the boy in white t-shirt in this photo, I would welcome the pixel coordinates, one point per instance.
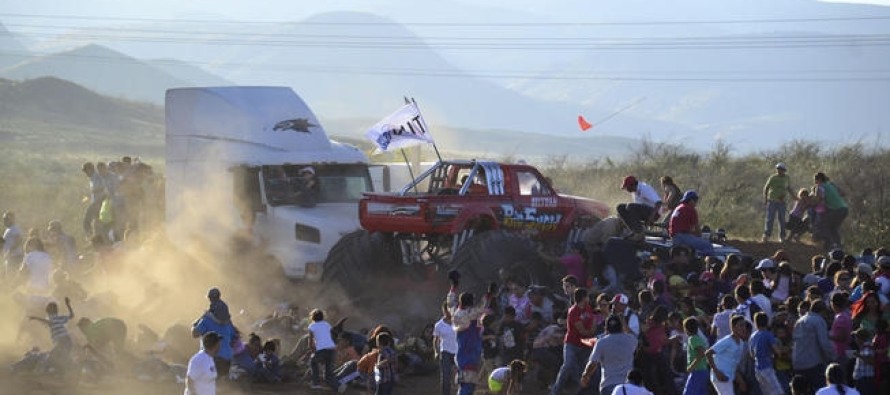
(200, 378)
(324, 348)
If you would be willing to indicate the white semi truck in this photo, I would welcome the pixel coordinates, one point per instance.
(240, 159)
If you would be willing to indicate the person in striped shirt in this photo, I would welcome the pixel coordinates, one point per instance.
(61, 352)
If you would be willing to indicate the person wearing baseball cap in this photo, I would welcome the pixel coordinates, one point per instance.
(614, 352)
(643, 209)
(619, 307)
(775, 192)
(684, 228)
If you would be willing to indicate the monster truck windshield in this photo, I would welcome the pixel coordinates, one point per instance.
(306, 185)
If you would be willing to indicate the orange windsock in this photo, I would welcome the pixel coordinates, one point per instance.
(583, 123)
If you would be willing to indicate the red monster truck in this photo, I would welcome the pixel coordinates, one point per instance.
(475, 216)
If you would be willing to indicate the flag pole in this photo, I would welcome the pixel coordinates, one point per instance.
(418, 111)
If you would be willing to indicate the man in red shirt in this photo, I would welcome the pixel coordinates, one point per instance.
(575, 353)
(684, 228)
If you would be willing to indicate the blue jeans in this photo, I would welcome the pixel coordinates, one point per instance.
(701, 246)
(774, 208)
(697, 382)
(466, 388)
(446, 369)
(574, 358)
(326, 358)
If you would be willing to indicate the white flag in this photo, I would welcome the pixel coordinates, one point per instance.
(403, 128)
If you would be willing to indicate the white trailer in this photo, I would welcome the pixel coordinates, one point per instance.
(235, 160)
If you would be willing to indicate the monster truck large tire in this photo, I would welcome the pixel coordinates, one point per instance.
(355, 259)
(481, 258)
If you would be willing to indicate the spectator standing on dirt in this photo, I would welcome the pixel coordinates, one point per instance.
(445, 347)
(61, 245)
(12, 244)
(322, 345)
(684, 228)
(828, 193)
(812, 350)
(465, 316)
(776, 189)
(98, 193)
(644, 208)
(579, 325)
(38, 265)
(614, 353)
(200, 377)
(671, 199)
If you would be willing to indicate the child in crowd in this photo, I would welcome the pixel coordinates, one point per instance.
(696, 365)
(864, 367)
(490, 345)
(762, 346)
(720, 326)
(60, 355)
(510, 336)
(507, 380)
(386, 370)
(268, 367)
(323, 351)
(798, 225)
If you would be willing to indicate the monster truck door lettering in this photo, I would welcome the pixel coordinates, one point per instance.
(529, 218)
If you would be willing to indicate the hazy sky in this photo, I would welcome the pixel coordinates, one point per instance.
(289, 9)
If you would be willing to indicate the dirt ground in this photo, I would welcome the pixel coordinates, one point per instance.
(11, 384)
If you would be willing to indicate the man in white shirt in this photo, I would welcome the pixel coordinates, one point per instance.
(38, 265)
(643, 209)
(12, 244)
(634, 385)
(200, 378)
(445, 347)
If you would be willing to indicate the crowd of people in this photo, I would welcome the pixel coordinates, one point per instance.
(687, 322)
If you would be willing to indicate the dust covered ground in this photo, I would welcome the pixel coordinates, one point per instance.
(159, 289)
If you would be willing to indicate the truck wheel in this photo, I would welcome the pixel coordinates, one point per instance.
(354, 259)
(481, 259)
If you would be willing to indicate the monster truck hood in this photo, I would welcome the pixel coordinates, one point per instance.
(599, 208)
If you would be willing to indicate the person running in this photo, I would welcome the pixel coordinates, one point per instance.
(60, 355)
(579, 325)
(200, 376)
(725, 356)
(465, 316)
(614, 353)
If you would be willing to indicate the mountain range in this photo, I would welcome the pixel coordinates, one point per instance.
(54, 115)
